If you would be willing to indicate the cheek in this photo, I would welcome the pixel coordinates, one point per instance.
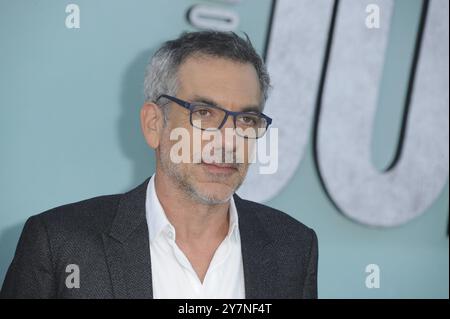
(243, 170)
(245, 151)
(176, 134)
(166, 143)
(183, 133)
(179, 118)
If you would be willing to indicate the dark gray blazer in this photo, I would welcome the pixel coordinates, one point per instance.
(107, 237)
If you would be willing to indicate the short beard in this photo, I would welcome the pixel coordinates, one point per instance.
(171, 170)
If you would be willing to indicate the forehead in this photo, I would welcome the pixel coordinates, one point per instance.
(229, 83)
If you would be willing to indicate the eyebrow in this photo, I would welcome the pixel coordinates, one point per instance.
(205, 100)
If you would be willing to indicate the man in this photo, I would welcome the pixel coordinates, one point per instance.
(183, 233)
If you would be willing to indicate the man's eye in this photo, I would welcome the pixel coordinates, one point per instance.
(203, 112)
(248, 120)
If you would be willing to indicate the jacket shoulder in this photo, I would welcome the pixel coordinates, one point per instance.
(94, 214)
(277, 223)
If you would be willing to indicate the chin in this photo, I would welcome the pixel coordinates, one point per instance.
(215, 194)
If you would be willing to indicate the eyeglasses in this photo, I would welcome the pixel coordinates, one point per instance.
(208, 117)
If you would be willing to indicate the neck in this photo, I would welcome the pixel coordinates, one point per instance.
(193, 221)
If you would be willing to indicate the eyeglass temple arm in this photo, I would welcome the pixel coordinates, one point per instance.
(176, 100)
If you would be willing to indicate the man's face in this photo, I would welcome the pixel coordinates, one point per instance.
(235, 87)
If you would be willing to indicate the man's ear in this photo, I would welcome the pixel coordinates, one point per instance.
(152, 123)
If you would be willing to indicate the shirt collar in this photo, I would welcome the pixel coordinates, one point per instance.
(157, 220)
(234, 220)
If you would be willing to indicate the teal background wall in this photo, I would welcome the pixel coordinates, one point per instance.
(69, 130)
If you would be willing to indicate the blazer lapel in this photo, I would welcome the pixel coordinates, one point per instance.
(258, 254)
(127, 247)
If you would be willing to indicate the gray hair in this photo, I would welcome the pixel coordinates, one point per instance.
(161, 71)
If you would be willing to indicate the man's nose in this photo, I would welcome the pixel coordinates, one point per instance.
(228, 133)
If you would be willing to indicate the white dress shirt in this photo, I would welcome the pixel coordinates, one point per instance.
(173, 275)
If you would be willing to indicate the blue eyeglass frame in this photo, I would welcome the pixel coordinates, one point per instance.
(190, 106)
